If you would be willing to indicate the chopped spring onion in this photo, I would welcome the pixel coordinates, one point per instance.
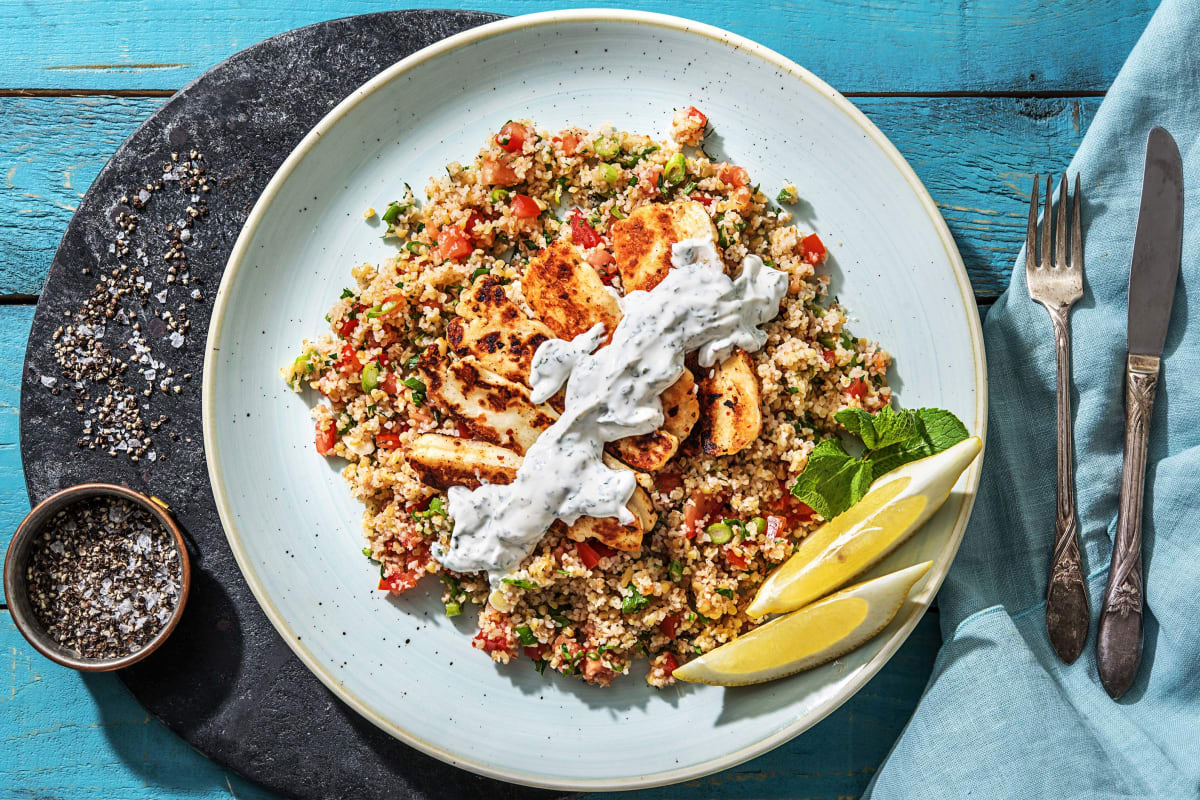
(520, 583)
(381, 309)
(525, 634)
(675, 570)
(303, 363)
(787, 195)
(453, 609)
(367, 552)
(609, 173)
(738, 527)
(496, 195)
(416, 247)
(726, 593)
(758, 524)
(436, 508)
(619, 214)
(481, 271)
(719, 532)
(370, 377)
(606, 146)
(689, 187)
(392, 212)
(676, 169)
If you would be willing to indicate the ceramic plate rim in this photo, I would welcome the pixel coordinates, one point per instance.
(921, 600)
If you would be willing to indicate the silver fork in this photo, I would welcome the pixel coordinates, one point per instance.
(1057, 283)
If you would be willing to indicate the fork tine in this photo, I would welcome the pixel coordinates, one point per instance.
(1031, 242)
(1060, 226)
(1047, 219)
(1076, 231)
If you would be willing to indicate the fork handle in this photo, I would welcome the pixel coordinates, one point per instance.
(1119, 638)
(1066, 595)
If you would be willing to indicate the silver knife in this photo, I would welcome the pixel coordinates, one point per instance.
(1152, 276)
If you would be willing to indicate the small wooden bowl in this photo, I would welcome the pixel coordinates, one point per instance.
(16, 590)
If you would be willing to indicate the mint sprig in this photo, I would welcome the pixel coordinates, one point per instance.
(834, 480)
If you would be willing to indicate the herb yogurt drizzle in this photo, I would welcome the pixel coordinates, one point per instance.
(611, 394)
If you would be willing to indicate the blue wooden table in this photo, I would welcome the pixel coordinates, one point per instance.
(977, 95)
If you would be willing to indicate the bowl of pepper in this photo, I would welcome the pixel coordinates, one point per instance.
(97, 576)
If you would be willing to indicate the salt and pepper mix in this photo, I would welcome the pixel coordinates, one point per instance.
(104, 577)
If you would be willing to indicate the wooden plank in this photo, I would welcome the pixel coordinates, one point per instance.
(974, 155)
(73, 736)
(883, 46)
(14, 503)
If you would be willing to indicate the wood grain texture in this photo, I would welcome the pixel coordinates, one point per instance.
(975, 155)
(83, 737)
(915, 45)
(14, 503)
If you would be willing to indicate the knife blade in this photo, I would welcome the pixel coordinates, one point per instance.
(1156, 246)
(1153, 273)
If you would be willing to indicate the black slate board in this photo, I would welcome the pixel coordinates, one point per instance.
(225, 681)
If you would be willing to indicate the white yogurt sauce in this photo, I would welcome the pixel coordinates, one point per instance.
(611, 393)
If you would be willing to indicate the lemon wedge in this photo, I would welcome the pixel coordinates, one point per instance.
(807, 638)
(898, 503)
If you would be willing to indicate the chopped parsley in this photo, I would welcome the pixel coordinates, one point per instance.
(634, 601)
(520, 583)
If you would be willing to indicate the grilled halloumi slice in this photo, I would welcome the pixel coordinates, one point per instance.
(681, 408)
(649, 452)
(505, 348)
(730, 415)
(642, 243)
(567, 294)
(443, 461)
(494, 409)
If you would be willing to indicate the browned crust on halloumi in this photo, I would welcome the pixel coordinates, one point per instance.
(730, 412)
(681, 408)
(612, 533)
(443, 461)
(649, 452)
(567, 294)
(506, 349)
(642, 243)
(494, 409)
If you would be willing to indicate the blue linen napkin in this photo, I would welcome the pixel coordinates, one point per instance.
(1002, 717)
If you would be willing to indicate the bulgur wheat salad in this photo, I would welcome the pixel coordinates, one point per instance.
(424, 378)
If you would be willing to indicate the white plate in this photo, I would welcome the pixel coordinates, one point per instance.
(292, 523)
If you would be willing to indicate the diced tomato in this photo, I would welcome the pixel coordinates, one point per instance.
(524, 207)
(389, 384)
(582, 232)
(400, 581)
(775, 526)
(453, 244)
(698, 115)
(498, 173)
(512, 136)
(669, 625)
(696, 509)
(813, 249)
(590, 553)
(857, 389)
(349, 360)
(537, 652)
(736, 559)
(699, 198)
(668, 481)
(348, 327)
(326, 437)
(599, 258)
(669, 663)
(830, 357)
(472, 221)
(733, 176)
(570, 142)
(488, 645)
(387, 440)
(603, 550)
(462, 430)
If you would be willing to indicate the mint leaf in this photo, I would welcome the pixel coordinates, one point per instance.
(936, 430)
(833, 480)
(860, 423)
(892, 427)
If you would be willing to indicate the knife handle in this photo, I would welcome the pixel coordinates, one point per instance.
(1119, 638)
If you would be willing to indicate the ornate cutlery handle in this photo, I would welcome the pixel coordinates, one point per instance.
(1119, 638)
(1066, 595)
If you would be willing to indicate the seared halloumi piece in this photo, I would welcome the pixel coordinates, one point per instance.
(642, 243)
(730, 416)
(612, 533)
(503, 348)
(494, 409)
(443, 461)
(567, 294)
(649, 452)
(681, 409)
